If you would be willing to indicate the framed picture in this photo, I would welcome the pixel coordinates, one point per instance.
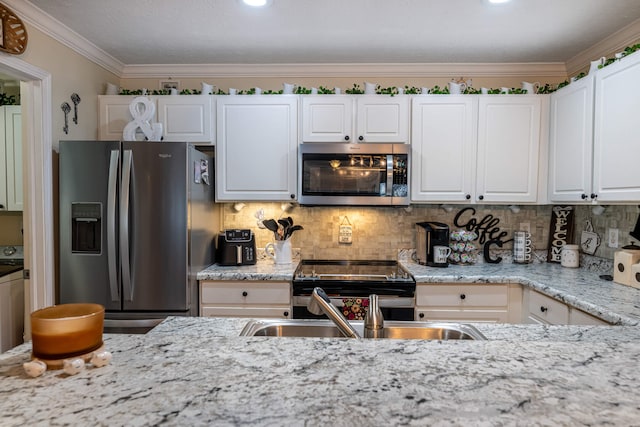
(170, 84)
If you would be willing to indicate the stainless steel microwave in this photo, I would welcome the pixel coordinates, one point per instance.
(354, 174)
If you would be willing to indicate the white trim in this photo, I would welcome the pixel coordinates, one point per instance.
(55, 29)
(35, 94)
(617, 41)
(550, 69)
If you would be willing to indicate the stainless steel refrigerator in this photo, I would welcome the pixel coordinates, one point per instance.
(137, 222)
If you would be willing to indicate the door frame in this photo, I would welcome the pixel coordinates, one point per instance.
(37, 174)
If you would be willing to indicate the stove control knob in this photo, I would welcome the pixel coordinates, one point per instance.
(313, 273)
(9, 250)
(393, 275)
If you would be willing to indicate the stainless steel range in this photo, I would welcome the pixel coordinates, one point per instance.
(349, 281)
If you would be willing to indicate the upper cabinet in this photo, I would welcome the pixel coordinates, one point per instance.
(593, 152)
(615, 138)
(183, 117)
(443, 143)
(256, 150)
(571, 142)
(356, 118)
(509, 143)
(478, 149)
(11, 191)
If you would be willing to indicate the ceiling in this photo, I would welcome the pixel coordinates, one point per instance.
(342, 31)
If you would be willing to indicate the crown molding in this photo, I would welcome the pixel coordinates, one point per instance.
(551, 69)
(55, 29)
(617, 41)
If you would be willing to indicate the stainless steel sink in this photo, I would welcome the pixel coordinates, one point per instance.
(392, 329)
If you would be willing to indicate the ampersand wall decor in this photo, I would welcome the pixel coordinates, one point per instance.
(142, 110)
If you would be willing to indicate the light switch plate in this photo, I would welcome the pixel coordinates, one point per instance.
(525, 226)
(612, 237)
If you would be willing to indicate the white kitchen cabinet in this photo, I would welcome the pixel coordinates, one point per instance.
(356, 118)
(509, 147)
(11, 189)
(571, 142)
(184, 117)
(579, 317)
(187, 118)
(11, 311)
(245, 299)
(615, 141)
(443, 143)
(256, 155)
(494, 303)
(545, 310)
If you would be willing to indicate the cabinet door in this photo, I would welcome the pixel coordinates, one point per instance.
(13, 153)
(327, 118)
(579, 317)
(186, 118)
(443, 143)
(382, 118)
(616, 147)
(545, 310)
(114, 116)
(571, 142)
(508, 147)
(256, 147)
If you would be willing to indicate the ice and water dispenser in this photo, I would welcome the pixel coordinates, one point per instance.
(86, 228)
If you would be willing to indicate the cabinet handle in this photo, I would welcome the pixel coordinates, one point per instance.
(245, 293)
(286, 314)
(346, 137)
(468, 196)
(594, 196)
(463, 296)
(421, 315)
(481, 197)
(543, 308)
(2, 207)
(584, 196)
(292, 196)
(361, 138)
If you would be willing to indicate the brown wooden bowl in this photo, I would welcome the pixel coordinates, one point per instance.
(66, 330)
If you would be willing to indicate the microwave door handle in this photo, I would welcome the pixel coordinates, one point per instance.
(389, 191)
(111, 224)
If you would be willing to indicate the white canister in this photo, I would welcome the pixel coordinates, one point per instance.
(570, 256)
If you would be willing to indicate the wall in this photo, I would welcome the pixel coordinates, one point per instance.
(11, 228)
(379, 233)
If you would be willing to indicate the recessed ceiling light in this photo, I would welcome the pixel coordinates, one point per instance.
(257, 3)
(499, 1)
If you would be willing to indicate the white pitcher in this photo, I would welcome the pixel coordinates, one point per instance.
(207, 89)
(281, 251)
(531, 88)
(596, 64)
(288, 88)
(457, 88)
(369, 88)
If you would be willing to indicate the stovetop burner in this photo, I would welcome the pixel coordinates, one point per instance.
(351, 271)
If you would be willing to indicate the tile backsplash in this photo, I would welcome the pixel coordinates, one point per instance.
(380, 233)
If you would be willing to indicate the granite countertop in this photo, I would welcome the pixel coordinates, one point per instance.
(199, 371)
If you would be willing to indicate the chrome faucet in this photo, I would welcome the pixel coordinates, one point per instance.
(320, 303)
(373, 320)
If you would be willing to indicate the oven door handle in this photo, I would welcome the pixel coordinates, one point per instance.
(382, 301)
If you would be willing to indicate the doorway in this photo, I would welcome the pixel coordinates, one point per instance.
(35, 94)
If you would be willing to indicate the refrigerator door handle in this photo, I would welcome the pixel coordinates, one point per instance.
(124, 225)
(111, 224)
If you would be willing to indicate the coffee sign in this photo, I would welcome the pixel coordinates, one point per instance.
(560, 232)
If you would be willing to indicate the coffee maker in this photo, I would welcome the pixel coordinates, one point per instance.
(429, 235)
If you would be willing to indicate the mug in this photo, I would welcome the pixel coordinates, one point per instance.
(207, 89)
(281, 251)
(369, 88)
(531, 88)
(424, 90)
(258, 91)
(288, 88)
(522, 247)
(440, 254)
(233, 91)
(337, 91)
(314, 91)
(457, 88)
(484, 91)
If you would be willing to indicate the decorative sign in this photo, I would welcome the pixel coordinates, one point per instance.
(345, 234)
(142, 110)
(560, 232)
(13, 33)
(487, 229)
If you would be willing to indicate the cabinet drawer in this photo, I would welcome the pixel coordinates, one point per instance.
(579, 317)
(462, 296)
(547, 310)
(477, 316)
(260, 312)
(241, 293)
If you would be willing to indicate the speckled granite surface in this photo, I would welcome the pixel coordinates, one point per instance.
(198, 371)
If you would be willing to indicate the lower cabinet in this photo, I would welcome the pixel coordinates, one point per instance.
(486, 303)
(245, 299)
(546, 310)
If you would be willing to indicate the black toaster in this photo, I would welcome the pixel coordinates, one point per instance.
(236, 247)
